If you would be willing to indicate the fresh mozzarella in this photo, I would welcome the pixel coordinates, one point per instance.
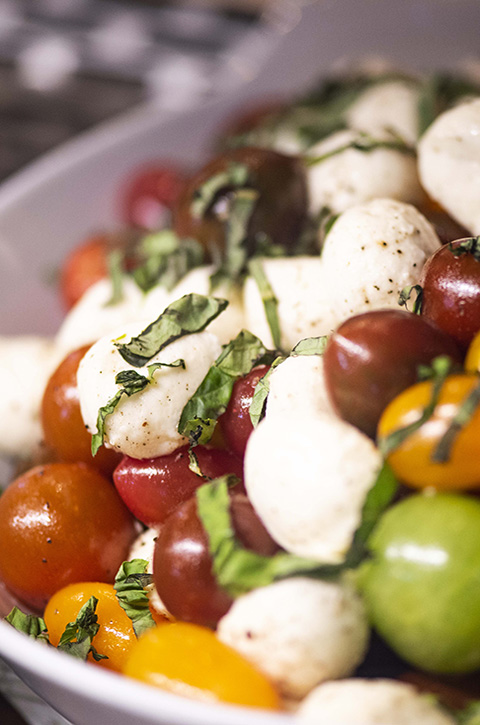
(449, 163)
(298, 631)
(370, 702)
(26, 363)
(387, 107)
(372, 252)
(143, 548)
(297, 386)
(145, 424)
(298, 284)
(353, 176)
(307, 477)
(94, 316)
(227, 325)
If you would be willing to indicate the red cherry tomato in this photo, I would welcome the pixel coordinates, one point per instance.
(153, 487)
(150, 195)
(61, 523)
(182, 566)
(372, 357)
(451, 291)
(235, 423)
(63, 427)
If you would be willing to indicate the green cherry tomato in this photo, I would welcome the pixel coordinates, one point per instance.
(422, 584)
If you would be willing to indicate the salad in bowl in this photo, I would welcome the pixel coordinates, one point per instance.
(246, 464)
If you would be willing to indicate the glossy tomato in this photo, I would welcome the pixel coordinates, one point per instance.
(61, 523)
(153, 487)
(414, 460)
(182, 565)
(191, 661)
(235, 423)
(63, 427)
(422, 584)
(451, 289)
(115, 637)
(372, 357)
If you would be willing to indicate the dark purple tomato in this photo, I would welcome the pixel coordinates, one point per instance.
(182, 566)
(235, 423)
(153, 487)
(280, 211)
(372, 357)
(451, 290)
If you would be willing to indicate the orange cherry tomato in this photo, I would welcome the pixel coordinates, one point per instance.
(115, 637)
(189, 660)
(61, 523)
(472, 360)
(63, 427)
(412, 460)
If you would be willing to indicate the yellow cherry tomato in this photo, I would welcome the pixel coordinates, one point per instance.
(412, 460)
(115, 637)
(190, 661)
(472, 360)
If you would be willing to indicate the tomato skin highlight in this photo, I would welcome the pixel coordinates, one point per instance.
(61, 523)
(451, 293)
(412, 460)
(116, 636)
(189, 660)
(63, 427)
(153, 487)
(373, 356)
(235, 423)
(422, 584)
(182, 565)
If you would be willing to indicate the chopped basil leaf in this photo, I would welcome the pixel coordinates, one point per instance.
(270, 302)
(132, 383)
(364, 143)
(470, 715)
(405, 295)
(130, 584)
(78, 635)
(29, 624)
(115, 263)
(166, 259)
(260, 394)
(191, 313)
(211, 398)
(234, 177)
(468, 407)
(310, 346)
(468, 246)
(441, 367)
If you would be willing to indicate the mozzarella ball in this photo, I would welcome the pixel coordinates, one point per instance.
(307, 477)
(370, 702)
(390, 106)
(145, 424)
(26, 364)
(372, 252)
(353, 176)
(449, 163)
(299, 286)
(297, 386)
(229, 323)
(93, 316)
(298, 631)
(143, 548)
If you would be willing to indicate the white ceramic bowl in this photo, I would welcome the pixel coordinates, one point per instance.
(52, 205)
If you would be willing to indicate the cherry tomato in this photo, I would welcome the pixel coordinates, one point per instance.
(280, 211)
(182, 566)
(150, 195)
(235, 423)
(451, 292)
(153, 487)
(372, 357)
(421, 585)
(87, 263)
(115, 637)
(472, 359)
(412, 460)
(190, 661)
(63, 427)
(61, 523)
